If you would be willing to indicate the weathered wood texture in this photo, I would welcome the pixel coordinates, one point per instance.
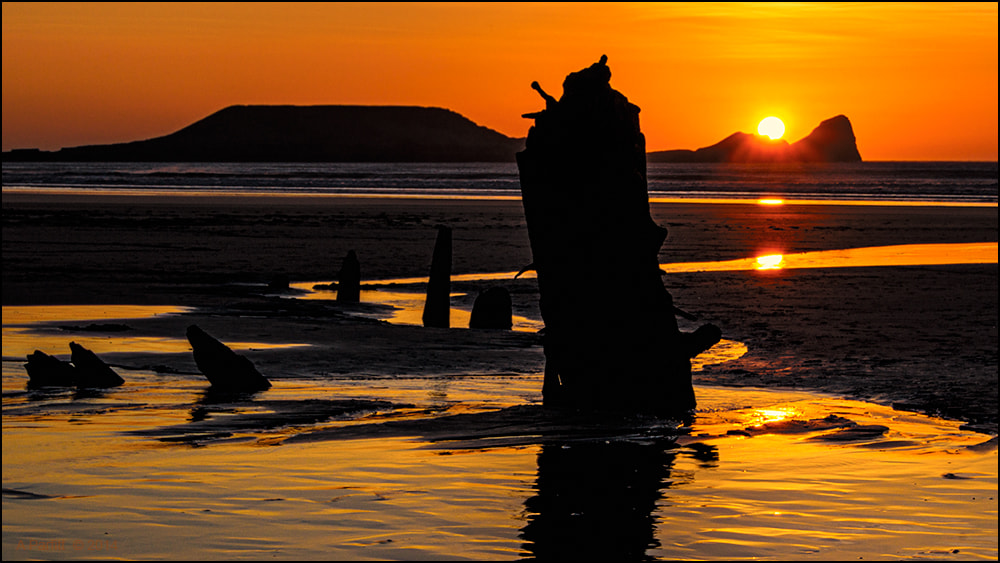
(611, 338)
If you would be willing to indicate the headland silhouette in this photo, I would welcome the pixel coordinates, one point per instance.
(340, 133)
(331, 133)
(832, 141)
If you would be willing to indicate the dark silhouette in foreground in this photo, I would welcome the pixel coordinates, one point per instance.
(349, 279)
(832, 141)
(91, 370)
(437, 308)
(47, 371)
(612, 342)
(492, 309)
(84, 370)
(279, 283)
(226, 370)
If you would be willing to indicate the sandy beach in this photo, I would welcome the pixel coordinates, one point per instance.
(923, 336)
(387, 441)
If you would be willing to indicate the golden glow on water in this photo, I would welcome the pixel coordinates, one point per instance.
(73, 313)
(762, 416)
(769, 262)
(777, 495)
(21, 339)
(772, 201)
(794, 201)
(723, 351)
(901, 255)
(409, 305)
(898, 255)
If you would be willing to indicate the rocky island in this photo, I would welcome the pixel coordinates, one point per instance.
(832, 141)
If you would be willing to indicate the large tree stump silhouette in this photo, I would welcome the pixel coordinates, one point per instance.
(611, 337)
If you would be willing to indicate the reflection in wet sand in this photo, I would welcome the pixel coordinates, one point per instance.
(223, 479)
(407, 309)
(900, 255)
(897, 255)
(596, 501)
(770, 262)
(50, 328)
(756, 474)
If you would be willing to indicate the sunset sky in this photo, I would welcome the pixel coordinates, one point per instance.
(918, 81)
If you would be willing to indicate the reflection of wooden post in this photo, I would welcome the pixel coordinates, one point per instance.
(437, 308)
(610, 489)
(349, 279)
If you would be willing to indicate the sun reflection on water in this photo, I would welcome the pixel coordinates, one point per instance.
(770, 262)
(763, 416)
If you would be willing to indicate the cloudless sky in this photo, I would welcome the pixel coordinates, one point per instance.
(918, 81)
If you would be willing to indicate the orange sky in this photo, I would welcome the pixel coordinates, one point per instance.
(918, 81)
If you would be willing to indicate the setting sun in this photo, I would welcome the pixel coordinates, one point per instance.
(771, 127)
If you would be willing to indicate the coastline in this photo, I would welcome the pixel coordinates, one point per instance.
(390, 441)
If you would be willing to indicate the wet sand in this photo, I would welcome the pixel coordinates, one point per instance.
(472, 468)
(392, 441)
(924, 337)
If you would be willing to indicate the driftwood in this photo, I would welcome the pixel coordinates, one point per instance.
(611, 337)
(226, 370)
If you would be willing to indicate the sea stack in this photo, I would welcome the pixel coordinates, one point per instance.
(832, 141)
(611, 339)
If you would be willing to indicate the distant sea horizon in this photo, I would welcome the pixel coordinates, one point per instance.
(945, 182)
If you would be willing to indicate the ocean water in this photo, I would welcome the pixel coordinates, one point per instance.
(951, 182)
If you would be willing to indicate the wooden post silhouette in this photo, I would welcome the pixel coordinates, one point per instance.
(611, 337)
(91, 370)
(492, 309)
(225, 370)
(437, 308)
(349, 279)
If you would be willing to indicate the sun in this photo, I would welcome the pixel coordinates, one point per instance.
(771, 127)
